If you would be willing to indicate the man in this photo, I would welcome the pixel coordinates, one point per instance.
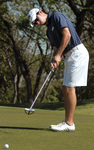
(65, 41)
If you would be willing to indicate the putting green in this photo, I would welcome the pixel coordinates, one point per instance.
(31, 132)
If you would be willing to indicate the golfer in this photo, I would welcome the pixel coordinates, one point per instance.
(65, 41)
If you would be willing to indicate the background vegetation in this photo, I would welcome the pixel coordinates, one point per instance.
(25, 53)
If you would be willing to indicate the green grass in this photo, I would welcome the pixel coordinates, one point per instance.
(31, 132)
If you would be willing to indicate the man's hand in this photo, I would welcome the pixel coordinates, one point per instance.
(55, 61)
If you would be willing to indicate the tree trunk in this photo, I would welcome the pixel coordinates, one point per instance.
(19, 60)
(38, 78)
(16, 96)
(80, 22)
(80, 16)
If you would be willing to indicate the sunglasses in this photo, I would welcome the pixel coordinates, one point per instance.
(35, 22)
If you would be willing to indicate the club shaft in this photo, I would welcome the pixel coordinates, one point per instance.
(41, 89)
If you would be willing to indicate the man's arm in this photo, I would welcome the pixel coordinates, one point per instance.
(65, 40)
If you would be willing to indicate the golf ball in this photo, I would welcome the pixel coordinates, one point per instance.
(6, 146)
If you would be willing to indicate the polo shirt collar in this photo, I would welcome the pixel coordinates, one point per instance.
(49, 19)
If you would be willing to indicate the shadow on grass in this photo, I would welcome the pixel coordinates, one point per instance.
(24, 128)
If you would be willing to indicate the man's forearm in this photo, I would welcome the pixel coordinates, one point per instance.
(58, 52)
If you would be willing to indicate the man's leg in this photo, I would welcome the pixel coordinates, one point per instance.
(70, 103)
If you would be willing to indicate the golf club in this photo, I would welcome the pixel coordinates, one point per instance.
(30, 110)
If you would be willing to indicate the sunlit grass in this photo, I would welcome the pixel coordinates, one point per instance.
(31, 132)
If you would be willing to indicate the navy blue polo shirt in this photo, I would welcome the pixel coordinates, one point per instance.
(56, 21)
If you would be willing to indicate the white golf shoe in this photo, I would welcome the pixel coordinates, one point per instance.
(63, 127)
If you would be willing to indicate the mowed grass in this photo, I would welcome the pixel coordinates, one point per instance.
(31, 132)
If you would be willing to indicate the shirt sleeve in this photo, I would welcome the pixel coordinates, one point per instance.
(59, 20)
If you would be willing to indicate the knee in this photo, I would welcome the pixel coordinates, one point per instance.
(68, 89)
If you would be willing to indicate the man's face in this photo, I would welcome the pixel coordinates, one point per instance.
(41, 19)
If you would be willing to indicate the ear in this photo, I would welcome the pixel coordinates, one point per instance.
(40, 12)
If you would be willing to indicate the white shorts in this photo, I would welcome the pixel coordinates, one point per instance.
(76, 67)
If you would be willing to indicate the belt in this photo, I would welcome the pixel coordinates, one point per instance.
(72, 50)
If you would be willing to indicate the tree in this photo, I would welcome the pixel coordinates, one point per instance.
(27, 52)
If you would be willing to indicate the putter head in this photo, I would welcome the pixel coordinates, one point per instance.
(29, 111)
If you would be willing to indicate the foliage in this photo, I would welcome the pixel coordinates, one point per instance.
(25, 52)
(55, 92)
